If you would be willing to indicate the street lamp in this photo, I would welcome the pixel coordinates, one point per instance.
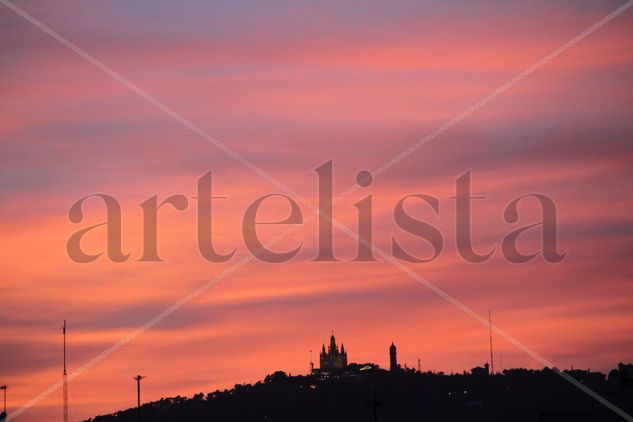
(138, 379)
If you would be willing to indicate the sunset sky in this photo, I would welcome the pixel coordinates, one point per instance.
(289, 85)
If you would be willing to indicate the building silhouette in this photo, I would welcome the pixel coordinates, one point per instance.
(481, 371)
(393, 359)
(333, 359)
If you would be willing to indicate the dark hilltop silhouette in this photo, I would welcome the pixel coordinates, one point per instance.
(339, 391)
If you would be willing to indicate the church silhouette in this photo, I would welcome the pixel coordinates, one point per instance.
(333, 360)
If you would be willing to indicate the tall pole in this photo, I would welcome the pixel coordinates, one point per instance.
(65, 381)
(4, 388)
(138, 379)
(492, 364)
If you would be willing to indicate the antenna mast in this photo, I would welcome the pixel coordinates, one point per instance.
(492, 364)
(65, 381)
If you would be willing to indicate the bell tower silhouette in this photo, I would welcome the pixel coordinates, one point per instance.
(393, 360)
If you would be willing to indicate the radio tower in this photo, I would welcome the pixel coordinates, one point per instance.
(492, 364)
(65, 381)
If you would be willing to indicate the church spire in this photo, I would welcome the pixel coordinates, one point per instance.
(333, 346)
